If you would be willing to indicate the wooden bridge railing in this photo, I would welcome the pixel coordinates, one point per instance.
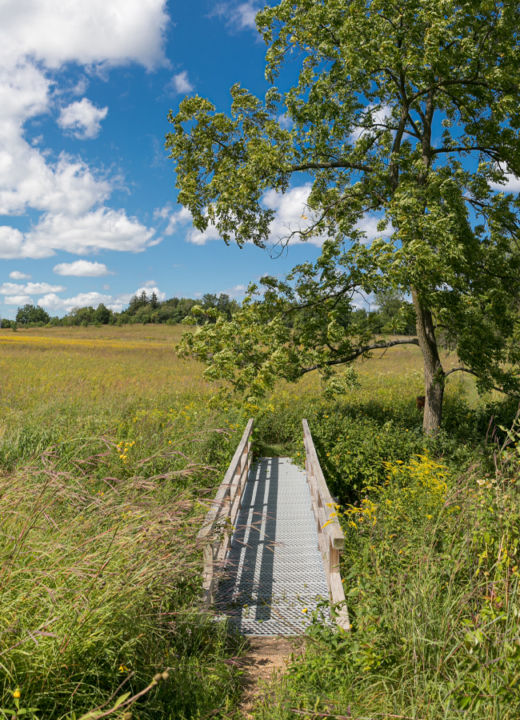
(331, 539)
(219, 523)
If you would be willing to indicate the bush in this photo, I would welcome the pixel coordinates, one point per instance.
(431, 571)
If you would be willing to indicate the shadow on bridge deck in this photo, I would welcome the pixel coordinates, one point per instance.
(274, 577)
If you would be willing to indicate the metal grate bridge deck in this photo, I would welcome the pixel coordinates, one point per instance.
(274, 576)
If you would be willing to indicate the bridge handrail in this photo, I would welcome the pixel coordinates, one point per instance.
(219, 523)
(331, 539)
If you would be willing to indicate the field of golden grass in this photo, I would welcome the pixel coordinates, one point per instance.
(110, 369)
(108, 451)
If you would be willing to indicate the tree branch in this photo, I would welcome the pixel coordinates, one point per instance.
(330, 165)
(361, 351)
(464, 148)
(472, 372)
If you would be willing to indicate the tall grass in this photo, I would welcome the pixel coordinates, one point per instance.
(108, 453)
(107, 458)
(99, 580)
(431, 571)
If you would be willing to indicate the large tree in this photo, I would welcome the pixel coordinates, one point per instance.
(407, 110)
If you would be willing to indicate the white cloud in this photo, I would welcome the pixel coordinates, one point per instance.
(162, 213)
(101, 229)
(180, 84)
(368, 225)
(150, 283)
(149, 290)
(291, 211)
(38, 38)
(198, 237)
(381, 116)
(30, 289)
(285, 122)
(179, 218)
(292, 214)
(82, 268)
(98, 31)
(17, 300)
(238, 291)
(17, 275)
(82, 118)
(51, 301)
(512, 184)
(237, 17)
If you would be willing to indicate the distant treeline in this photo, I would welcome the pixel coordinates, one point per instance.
(141, 309)
(391, 314)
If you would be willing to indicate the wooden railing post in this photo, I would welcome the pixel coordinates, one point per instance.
(330, 535)
(218, 524)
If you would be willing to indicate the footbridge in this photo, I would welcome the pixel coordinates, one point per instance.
(272, 545)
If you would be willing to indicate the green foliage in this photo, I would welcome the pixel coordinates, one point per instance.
(32, 314)
(431, 574)
(102, 314)
(373, 80)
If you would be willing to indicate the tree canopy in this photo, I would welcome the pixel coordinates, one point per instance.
(32, 314)
(404, 111)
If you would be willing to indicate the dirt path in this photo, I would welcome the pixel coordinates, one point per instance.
(266, 661)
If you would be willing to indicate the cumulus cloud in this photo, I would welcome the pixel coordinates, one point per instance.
(368, 225)
(238, 291)
(285, 122)
(82, 268)
(17, 300)
(29, 289)
(237, 16)
(17, 275)
(180, 84)
(52, 302)
(512, 184)
(292, 214)
(150, 290)
(37, 39)
(100, 31)
(380, 117)
(82, 118)
(101, 229)
(117, 303)
(177, 219)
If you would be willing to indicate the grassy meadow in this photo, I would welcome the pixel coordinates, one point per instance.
(109, 450)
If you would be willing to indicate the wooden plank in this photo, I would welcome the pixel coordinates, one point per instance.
(223, 491)
(326, 498)
(237, 503)
(337, 593)
(330, 535)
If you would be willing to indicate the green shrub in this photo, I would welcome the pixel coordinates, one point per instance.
(431, 572)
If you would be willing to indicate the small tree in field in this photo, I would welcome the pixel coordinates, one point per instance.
(406, 110)
(102, 314)
(32, 314)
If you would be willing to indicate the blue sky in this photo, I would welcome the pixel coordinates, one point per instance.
(87, 198)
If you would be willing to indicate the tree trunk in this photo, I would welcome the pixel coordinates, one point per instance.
(433, 371)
